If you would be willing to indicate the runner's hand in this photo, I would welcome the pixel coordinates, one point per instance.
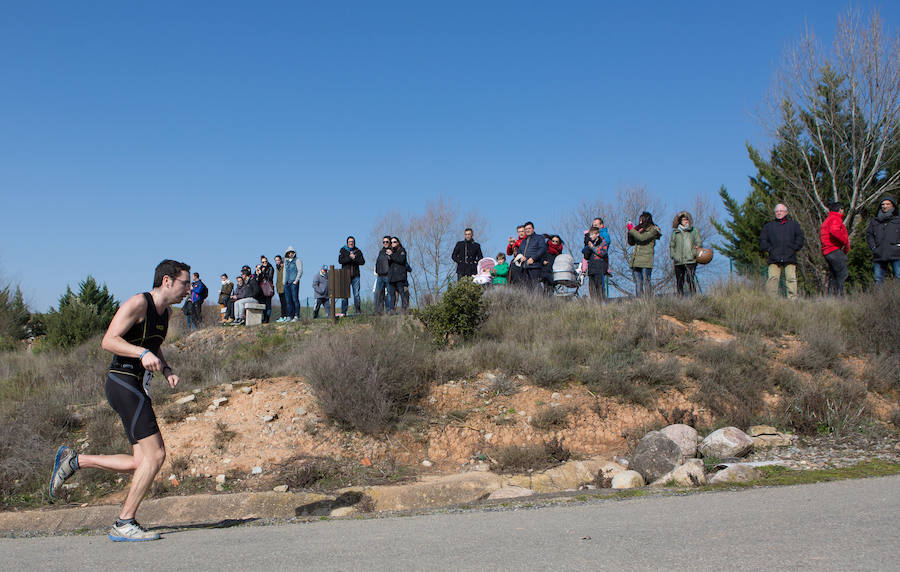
(151, 362)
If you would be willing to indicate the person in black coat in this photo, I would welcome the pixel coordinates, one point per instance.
(399, 266)
(533, 249)
(382, 285)
(466, 255)
(883, 237)
(781, 239)
(352, 258)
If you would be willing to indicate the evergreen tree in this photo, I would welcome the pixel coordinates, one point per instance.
(14, 317)
(80, 315)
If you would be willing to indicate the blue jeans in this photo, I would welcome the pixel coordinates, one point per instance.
(881, 269)
(292, 294)
(641, 280)
(354, 289)
(384, 299)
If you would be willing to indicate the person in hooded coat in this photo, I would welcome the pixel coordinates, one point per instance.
(883, 236)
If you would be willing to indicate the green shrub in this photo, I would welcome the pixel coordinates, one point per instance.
(14, 318)
(459, 312)
(80, 315)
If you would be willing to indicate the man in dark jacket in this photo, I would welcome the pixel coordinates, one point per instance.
(382, 268)
(781, 238)
(466, 255)
(533, 249)
(352, 258)
(883, 236)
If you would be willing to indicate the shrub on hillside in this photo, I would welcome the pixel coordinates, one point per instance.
(80, 315)
(732, 381)
(459, 312)
(14, 318)
(516, 459)
(818, 408)
(870, 322)
(881, 373)
(366, 378)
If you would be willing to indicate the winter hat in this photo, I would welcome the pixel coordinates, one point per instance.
(324, 267)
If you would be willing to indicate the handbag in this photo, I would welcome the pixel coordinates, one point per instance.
(267, 288)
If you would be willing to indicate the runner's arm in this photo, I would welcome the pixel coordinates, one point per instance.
(167, 371)
(128, 315)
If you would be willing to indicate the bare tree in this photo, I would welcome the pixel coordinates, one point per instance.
(429, 238)
(836, 121)
(629, 203)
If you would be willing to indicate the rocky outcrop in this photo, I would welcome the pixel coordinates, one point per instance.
(726, 442)
(568, 476)
(432, 492)
(510, 493)
(684, 436)
(655, 456)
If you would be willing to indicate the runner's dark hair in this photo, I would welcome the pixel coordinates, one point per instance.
(170, 268)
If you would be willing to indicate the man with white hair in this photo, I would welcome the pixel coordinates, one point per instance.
(781, 239)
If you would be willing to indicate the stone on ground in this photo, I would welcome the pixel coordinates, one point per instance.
(690, 474)
(655, 456)
(736, 474)
(726, 442)
(684, 436)
(627, 480)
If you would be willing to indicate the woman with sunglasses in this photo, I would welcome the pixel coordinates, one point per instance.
(399, 286)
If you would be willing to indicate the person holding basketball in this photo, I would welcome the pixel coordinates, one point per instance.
(683, 248)
(134, 337)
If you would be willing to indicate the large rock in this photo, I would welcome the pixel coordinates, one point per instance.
(627, 480)
(568, 476)
(433, 492)
(655, 456)
(510, 493)
(684, 436)
(726, 442)
(757, 430)
(736, 474)
(779, 440)
(690, 474)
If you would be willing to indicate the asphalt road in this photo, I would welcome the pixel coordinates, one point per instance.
(837, 526)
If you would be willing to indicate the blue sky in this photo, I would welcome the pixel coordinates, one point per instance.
(214, 132)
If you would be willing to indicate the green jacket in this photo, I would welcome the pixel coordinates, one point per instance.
(500, 273)
(644, 244)
(683, 246)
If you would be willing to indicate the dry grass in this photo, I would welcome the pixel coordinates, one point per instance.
(529, 458)
(368, 374)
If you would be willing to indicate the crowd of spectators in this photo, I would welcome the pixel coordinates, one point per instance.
(529, 262)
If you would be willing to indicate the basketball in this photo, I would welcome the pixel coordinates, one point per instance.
(704, 255)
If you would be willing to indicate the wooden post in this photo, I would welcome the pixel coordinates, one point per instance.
(332, 292)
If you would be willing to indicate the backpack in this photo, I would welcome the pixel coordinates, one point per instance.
(204, 292)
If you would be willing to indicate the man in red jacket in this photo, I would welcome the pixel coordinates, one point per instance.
(835, 246)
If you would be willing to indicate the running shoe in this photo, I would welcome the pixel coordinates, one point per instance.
(131, 532)
(64, 466)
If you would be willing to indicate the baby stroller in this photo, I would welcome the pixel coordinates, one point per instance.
(483, 277)
(565, 278)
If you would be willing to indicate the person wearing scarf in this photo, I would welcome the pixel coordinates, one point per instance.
(883, 237)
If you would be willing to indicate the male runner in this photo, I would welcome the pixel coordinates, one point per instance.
(134, 337)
